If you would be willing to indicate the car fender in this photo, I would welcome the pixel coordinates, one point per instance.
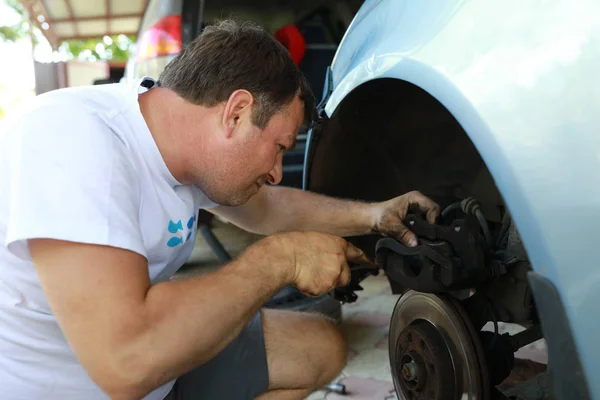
(519, 80)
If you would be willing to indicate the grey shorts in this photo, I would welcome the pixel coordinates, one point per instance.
(238, 372)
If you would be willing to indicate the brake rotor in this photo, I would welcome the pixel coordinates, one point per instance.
(435, 353)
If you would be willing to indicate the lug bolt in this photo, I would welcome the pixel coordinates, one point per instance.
(409, 371)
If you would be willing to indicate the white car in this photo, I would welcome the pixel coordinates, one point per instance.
(491, 108)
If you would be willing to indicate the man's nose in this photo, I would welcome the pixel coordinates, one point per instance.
(276, 174)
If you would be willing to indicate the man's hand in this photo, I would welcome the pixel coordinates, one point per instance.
(317, 262)
(391, 215)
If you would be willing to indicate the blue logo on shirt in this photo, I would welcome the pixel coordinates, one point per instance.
(175, 227)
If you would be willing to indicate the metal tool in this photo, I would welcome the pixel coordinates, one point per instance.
(336, 388)
(358, 272)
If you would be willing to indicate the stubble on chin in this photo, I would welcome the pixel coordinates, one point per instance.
(235, 199)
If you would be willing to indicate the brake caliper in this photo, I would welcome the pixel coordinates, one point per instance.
(448, 257)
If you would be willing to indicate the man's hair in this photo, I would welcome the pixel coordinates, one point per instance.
(229, 56)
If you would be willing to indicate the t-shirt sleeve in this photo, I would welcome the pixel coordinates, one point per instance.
(70, 178)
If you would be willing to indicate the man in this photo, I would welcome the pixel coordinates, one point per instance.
(100, 192)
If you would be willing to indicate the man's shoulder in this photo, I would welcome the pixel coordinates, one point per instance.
(70, 121)
(103, 100)
(80, 111)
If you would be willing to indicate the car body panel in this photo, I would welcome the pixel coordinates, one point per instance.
(520, 77)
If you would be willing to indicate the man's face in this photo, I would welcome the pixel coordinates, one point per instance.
(250, 156)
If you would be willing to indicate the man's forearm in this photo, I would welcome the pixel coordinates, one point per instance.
(294, 209)
(280, 209)
(194, 319)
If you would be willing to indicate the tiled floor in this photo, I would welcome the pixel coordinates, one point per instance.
(365, 324)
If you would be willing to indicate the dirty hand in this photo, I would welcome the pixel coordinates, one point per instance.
(318, 262)
(391, 215)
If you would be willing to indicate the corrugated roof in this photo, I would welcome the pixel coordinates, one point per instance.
(82, 19)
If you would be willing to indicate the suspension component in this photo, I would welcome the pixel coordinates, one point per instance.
(499, 350)
(526, 337)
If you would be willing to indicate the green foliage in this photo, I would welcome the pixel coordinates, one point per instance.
(17, 6)
(9, 34)
(21, 29)
(114, 48)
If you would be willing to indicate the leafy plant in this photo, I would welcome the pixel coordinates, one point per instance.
(108, 48)
(113, 48)
(9, 34)
(22, 28)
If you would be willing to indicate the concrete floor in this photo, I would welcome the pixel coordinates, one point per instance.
(365, 324)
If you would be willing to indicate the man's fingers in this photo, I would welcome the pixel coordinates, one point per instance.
(309, 294)
(406, 237)
(433, 214)
(344, 278)
(356, 255)
(424, 204)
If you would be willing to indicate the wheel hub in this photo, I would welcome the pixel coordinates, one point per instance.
(434, 351)
(410, 371)
(423, 363)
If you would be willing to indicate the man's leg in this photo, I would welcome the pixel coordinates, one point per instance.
(279, 355)
(304, 353)
(238, 372)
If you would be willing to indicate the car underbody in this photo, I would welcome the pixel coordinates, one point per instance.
(389, 137)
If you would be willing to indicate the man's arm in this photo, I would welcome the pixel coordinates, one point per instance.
(281, 209)
(132, 337)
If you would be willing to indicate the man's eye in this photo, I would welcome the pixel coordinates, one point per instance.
(281, 147)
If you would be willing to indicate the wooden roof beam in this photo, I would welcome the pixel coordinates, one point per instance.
(72, 16)
(108, 25)
(97, 18)
(35, 8)
(85, 37)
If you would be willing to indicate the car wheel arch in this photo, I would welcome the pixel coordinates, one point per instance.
(374, 144)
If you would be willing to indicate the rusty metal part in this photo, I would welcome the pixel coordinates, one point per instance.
(423, 363)
(529, 381)
(449, 343)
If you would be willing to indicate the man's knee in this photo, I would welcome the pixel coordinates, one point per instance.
(304, 351)
(339, 351)
(331, 351)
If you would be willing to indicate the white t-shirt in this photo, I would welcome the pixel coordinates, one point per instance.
(79, 164)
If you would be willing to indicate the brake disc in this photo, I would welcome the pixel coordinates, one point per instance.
(435, 353)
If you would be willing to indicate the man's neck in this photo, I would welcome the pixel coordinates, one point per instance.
(157, 107)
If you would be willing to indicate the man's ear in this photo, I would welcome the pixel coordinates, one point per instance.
(237, 109)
